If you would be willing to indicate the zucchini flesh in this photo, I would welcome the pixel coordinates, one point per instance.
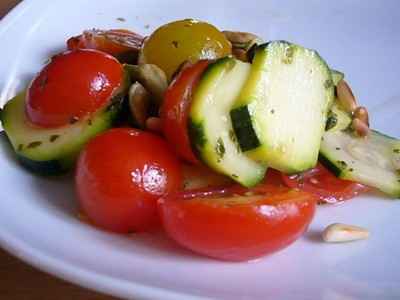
(336, 76)
(51, 151)
(373, 160)
(210, 127)
(337, 119)
(280, 114)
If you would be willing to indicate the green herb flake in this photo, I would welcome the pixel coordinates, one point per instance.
(20, 147)
(220, 148)
(289, 53)
(272, 111)
(34, 144)
(397, 151)
(328, 83)
(235, 176)
(121, 19)
(342, 163)
(175, 43)
(54, 137)
(351, 170)
(337, 148)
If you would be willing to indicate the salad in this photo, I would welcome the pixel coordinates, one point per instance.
(225, 141)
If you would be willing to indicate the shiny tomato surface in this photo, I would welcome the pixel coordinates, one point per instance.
(176, 107)
(326, 186)
(121, 174)
(237, 227)
(73, 85)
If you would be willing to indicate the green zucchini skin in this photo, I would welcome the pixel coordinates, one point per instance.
(280, 115)
(53, 151)
(370, 160)
(210, 127)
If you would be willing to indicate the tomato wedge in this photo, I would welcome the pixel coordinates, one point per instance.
(175, 110)
(326, 186)
(121, 43)
(237, 227)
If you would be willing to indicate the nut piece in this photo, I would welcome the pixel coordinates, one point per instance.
(345, 97)
(154, 124)
(151, 77)
(361, 113)
(360, 127)
(139, 102)
(339, 233)
(242, 42)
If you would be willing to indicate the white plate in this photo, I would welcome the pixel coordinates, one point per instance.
(37, 215)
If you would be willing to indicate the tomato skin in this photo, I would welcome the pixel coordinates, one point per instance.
(326, 186)
(222, 229)
(121, 174)
(115, 42)
(73, 85)
(175, 110)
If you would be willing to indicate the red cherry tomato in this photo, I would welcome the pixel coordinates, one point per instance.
(116, 42)
(326, 186)
(237, 227)
(121, 174)
(73, 85)
(175, 109)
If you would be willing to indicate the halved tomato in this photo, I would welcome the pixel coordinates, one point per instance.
(239, 226)
(123, 44)
(326, 186)
(175, 109)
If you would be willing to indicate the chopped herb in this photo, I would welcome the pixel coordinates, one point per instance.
(90, 122)
(34, 144)
(147, 26)
(328, 83)
(175, 43)
(220, 148)
(331, 122)
(54, 137)
(73, 119)
(337, 148)
(288, 58)
(351, 170)
(234, 176)
(20, 147)
(121, 19)
(396, 150)
(342, 163)
(272, 111)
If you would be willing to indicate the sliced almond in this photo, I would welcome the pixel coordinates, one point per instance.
(345, 97)
(360, 128)
(339, 233)
(361, 113)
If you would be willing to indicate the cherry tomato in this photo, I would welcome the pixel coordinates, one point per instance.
(237, 227)
(121, 43)
(175, 109)
(73, 85)
(326, 186)
(185, 40)
(121, 174)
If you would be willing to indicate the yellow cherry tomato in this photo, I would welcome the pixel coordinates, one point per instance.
(186, 40)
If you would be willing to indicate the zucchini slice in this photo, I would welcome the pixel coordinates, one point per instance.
(336, 76)
(51, 151)
(337, 119)
(210, 127)
(280, 114)
(373, 160)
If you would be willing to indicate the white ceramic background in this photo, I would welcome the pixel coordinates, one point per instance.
(37, 215)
